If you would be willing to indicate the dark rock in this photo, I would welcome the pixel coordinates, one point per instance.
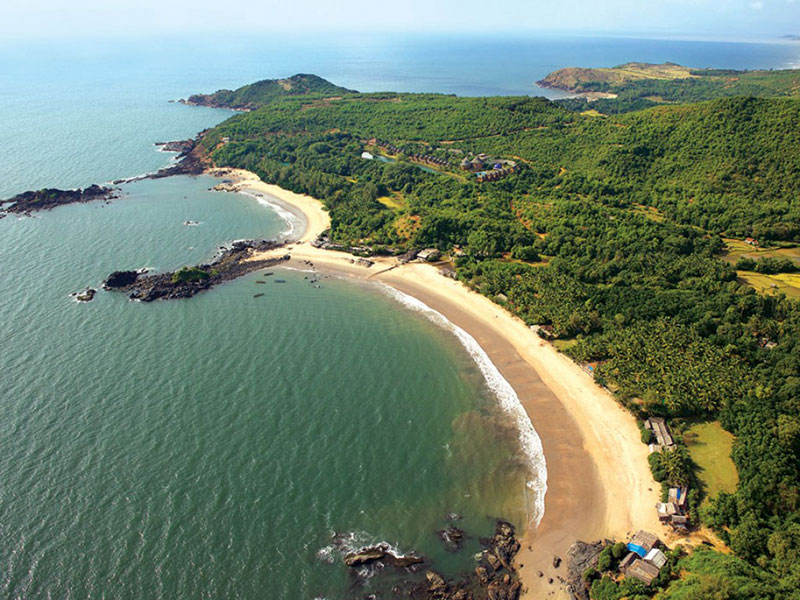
(453, 516)
(46, 199)
(436, 582)
(556, 562)
(178, 146)
(86, 295)
(229, 264)
(365, 556)
(120, 279)
(453, 538)
(581, 556)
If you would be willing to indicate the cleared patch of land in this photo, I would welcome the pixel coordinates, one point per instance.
(788, 283)
(710, 447)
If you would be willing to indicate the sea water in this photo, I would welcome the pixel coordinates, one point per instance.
(214, 447)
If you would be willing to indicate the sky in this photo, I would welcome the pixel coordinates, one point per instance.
(731, 19)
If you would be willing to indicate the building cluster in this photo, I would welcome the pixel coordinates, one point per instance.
(427, 159)
(385, 146)
(482, 166)
(675, 510)
(645, 559)
(495, 174)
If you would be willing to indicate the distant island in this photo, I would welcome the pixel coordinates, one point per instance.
(635, 86)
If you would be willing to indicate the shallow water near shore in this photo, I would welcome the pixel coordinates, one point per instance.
(212, 447)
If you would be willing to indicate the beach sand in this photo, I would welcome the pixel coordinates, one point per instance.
(599, 482)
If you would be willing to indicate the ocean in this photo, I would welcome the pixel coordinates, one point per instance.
(231, 445)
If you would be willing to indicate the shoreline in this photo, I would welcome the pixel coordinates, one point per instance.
(598, 479)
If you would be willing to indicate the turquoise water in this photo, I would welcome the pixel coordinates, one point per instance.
(210, 448)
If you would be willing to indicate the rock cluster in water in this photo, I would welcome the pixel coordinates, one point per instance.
(231, 263)
(494, 576)
(45, 199)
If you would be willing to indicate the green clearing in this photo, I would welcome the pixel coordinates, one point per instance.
(710, 447)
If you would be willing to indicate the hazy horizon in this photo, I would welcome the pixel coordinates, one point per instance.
(697, 19)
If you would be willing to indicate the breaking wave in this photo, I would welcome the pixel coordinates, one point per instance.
(509, 401)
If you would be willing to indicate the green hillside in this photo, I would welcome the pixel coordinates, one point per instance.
(256, 94)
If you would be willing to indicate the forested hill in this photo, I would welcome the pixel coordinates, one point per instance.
(612, 232)
(256, 94)
(634, 86)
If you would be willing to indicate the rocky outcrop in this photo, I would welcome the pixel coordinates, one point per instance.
(86, 295)
(192, 160)
(120, 279)
(231, 263)
(48, 198)
(452, 537)
(177, 146)
(382, 553)
(581, 556)
(493, 578)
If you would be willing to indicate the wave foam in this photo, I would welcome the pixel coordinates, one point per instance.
(509, 401)
(293, 222)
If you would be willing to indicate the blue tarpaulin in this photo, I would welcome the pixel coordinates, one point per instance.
(638, 549)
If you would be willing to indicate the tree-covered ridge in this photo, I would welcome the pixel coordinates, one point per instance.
(635, 86)
(262, 92)
(609, 232)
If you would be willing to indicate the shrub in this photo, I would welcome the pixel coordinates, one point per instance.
(647, 436)
(189, 274)
(619, 550)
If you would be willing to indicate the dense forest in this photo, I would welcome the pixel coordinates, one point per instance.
(609, 230)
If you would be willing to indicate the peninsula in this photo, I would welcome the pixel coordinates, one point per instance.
(635, 86)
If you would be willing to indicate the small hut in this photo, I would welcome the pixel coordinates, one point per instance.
(656, 557)
(466, 164)
(643, 542)
(643, 571)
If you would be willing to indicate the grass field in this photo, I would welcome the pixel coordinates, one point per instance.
(735, 249)
(710, 447)
(788, 283)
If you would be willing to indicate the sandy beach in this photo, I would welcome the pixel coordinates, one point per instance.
(599, 482)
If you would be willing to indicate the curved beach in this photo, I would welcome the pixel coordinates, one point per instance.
(598, 480)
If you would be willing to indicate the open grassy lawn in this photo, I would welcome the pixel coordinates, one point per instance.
(710, 447)
(395, 201)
